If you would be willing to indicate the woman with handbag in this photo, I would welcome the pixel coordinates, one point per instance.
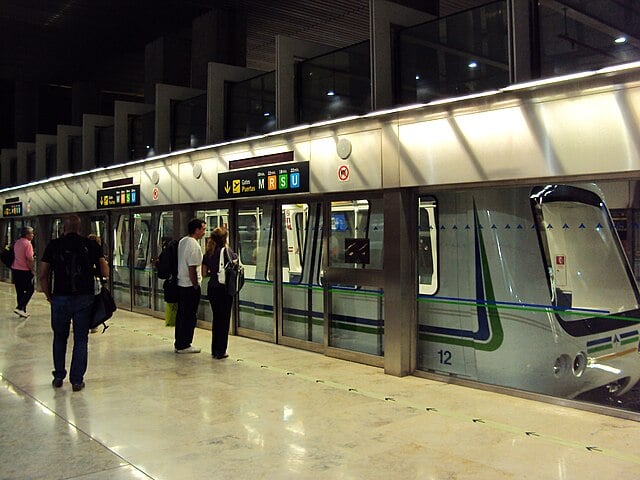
(217, 255)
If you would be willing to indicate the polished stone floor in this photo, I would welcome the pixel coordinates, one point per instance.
(272, 412)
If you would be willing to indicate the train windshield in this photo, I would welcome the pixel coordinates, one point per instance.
(588, 272)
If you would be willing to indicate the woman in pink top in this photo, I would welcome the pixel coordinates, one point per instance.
(22, 270)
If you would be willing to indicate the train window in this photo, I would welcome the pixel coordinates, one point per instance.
(427, 244)
(56, 228)
(356, 219)
(587, 270)
(142, 250)
(213, 218)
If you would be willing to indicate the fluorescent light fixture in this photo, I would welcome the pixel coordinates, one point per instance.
(266, 114)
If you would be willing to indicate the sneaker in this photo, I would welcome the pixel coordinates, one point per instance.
(57, 382)
(76, 387)
(220, 357)
(21, 313)
(93, 330)
(188, 350)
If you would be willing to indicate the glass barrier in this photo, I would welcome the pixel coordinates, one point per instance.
(576, 35)
(188, 123)
(356, 318)
(302, 293)
(74, 144)
(251, 106)
(335, 85)
(104, 146)
(141, 135)
(456, 55)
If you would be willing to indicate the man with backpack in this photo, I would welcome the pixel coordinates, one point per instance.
(22, 270)
(70, 263)
(189, 279)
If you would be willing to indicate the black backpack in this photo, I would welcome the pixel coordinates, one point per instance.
(8, 255)
(167, 265)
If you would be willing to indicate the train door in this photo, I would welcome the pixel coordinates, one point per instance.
(302, 294)
(353, 280)
(142, 233)
(213, 218)
(256, 241)
(164, 232)
(121, 273)
(8, 237)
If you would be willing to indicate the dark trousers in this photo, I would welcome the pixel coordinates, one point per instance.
(23, 280)
(221, 305)
(66, 309)
(188, 300)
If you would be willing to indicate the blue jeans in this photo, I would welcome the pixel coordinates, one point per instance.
(64, 309)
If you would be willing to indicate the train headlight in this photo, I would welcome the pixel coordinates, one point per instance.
(579, 364)
(561, 367)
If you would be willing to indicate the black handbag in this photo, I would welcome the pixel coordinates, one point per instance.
(170, 290)
(103, 308)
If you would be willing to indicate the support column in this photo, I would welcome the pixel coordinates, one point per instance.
(166, 60)
(218, 36)
(384, 15)
(400, 321)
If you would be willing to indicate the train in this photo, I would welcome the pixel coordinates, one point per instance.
(469, 239)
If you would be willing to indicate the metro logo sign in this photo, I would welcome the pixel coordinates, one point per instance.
(267, 180)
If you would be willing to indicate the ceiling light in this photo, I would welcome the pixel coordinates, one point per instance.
(331, 93)
(472, 65)
(621, 39)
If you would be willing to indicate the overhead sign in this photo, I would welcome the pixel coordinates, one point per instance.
(12, 209)
(128, 196)
(269, 180)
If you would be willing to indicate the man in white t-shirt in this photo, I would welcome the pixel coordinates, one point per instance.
(189, 279)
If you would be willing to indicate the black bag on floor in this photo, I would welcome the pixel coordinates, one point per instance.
(103, 308)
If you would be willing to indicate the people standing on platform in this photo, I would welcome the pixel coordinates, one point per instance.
(22, 270)
(66, 275)
(189, 280)
(221, 302)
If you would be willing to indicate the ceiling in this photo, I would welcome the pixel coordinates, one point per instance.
(61, 41)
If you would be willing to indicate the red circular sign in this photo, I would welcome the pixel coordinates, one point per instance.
(343, 173)
(154, 193)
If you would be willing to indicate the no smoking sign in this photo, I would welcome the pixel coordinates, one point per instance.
(343, 173)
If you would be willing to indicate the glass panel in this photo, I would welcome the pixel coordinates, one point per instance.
(98, 228)
(56, 228)
(104, 146)
(578, 35)
(51, 160)
(121, 265)
(213, 218)
(456, 55)
(302, 294)
(357, 229)
(142, 135)
(255, 241)
(165, 234)
(31, 166)
(189, 122)
(75, 153)
(335, 85)
(356, 319)
(251, 106)
(143, 270)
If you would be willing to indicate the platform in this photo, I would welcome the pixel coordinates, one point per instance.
(272, 412)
